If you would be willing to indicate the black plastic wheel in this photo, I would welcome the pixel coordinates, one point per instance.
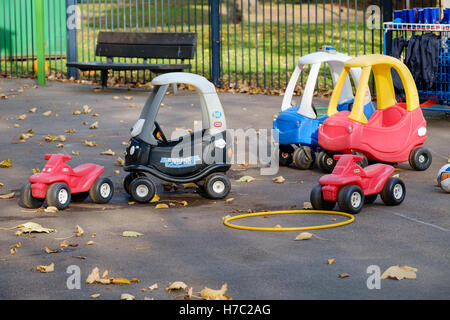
(394, 192)
(142, 189)
(27, 199)
(217, 186)
(102, 190)
(369, 199)
(304, 157)
(351, 199)
(79, 197)
(130, 177)
(317, 200)
(325, 161)
(58, 195)
(420, 158)
(285, 155)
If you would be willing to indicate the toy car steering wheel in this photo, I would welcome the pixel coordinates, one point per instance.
(159, 131)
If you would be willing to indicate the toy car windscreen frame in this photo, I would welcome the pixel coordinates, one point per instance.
(213, 118)
(335, 63)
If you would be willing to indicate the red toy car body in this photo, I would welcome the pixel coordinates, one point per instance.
(394, 133)
(351, 186)
(58, 183)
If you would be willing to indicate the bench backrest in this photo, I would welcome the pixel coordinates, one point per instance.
(164, 45)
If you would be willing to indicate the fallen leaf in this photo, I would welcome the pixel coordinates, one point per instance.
(32, 110)
(47, 250)
(108, 152)
(246, 179)
(32, 227)
(79, 231)
(210, 294)
(76, 112)
(400, 272)
(189, 185)
(344, 275)
(229, 200)
(120, 281)
(153, 287)
(119, 162)
(6, 163)
(177, 285)
(13, 251)
(94, 125)
(116, 172)
(161, 206)
(126, 296)
(51, 209)
(128, 97)
(7, 196)
(16, 125)
(64, 244)
(116, 98)
(47, 113)
(86, 109)
(22, 117)
(135, 280)
(90, 143)
(71, 131)
(131, 234)
(46, 269)
(94, 276)
(331, 261)
(278, 226)
(155, 198)
(95, 295)
(2, 184)
(89, 243)
(279, 179)
(307, 205)
(75, 153)
(95, 115)
(304, 236)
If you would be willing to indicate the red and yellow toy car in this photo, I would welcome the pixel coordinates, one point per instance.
(58, 183)
(394, 133)
(351, 186)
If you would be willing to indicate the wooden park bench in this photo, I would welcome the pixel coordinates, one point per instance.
(146, 45)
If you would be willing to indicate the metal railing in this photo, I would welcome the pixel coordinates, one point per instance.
(256, 42)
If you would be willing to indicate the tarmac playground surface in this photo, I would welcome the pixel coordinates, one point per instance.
(190, 243)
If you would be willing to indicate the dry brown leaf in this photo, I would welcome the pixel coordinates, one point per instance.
(331, 261)
(79, 231)
(90, 143)
(279, 179)
(307, 205)
(51, 209)
(94, 276)
(89, 243)
(47, 250)
(64, 244)
(304, 236)
(32, 227)
(71, 131)
(210, 294)
(108, 152)
(2, 184)
(155, 198)
(46, 269)
(344, 275)
(21, 117)
(153, 287)
(229, 200)
(47, 113)
(13, 251)
(6, 163)
(161, 206)
(400, 272)
(116, 98)
(75, 153)
(119, 162)
(94, 125)
(7, 196)
(76, 112)
(120, 281)
(32, 110)
(177, 285)
(246, 179)
(95, 295)
(126, 296)
(86, 109)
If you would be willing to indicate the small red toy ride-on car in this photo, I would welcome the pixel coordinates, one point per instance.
(352, 186)
(58, 183)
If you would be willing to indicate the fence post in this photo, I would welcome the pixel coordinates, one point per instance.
(40, 42)
(71, 36)
(215, 42)
(387, 16)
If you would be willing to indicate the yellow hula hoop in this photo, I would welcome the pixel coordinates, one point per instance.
(256, 214)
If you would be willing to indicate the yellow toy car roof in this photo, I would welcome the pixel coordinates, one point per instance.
(381, 66)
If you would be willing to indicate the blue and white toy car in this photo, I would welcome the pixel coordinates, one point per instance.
(298, 125)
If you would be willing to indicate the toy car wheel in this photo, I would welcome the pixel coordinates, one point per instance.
(285, 155)
(102, 190)
(27, 199)
(317, 200)
(58, 195)
(393, 192)
(79, 197)
(351, 199)
(217, 186)
(369, 199)
(325, 161)
(130, 177)
(304, 157)
(420, 158)
(142, 189)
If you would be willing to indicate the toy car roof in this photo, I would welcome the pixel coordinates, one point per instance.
(381, 66)
(336, 62)
(213, 117)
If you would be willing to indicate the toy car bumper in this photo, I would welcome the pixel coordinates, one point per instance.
(39, 190)
(330, 193)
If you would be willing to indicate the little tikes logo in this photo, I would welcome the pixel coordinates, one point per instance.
(217, 124)
(217, 114)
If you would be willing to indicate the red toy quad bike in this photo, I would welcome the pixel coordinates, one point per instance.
(58, 183)
(352, 186)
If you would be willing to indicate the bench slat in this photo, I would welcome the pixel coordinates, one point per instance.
(97, 65)
(145, 51)
(148, 38)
